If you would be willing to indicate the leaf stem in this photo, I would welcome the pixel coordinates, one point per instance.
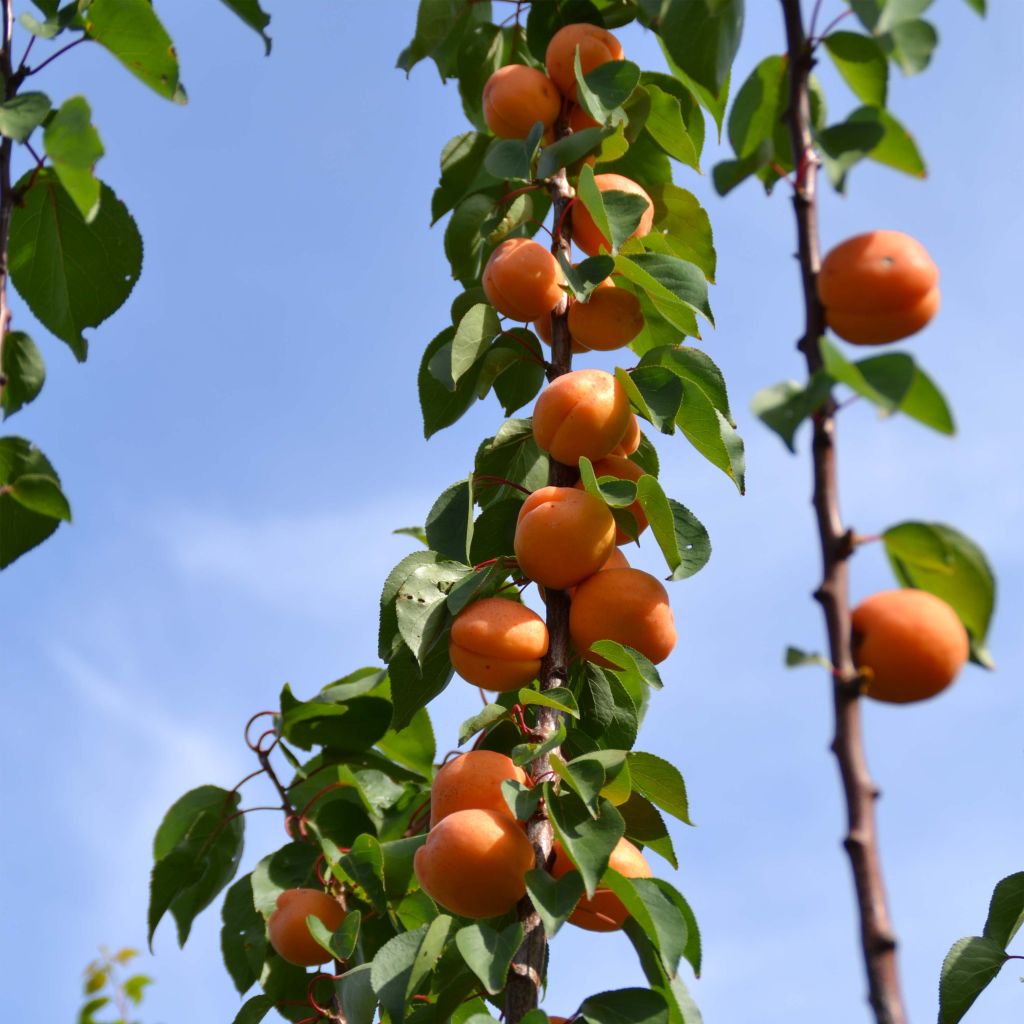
(878, 940)
(54, 56)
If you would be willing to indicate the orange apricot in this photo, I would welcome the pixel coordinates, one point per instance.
(622, 468)
(579, 119)
(473, 780)
(516, 97)
(630, 440)
(474, 863)
(609, 319)
(626, 605)
(878, 287)
(616, 560)
(542, 325)
(522, 279)
(604, 912)
(563, 536)
(910, 644)
(596, 45)
(497, 644)
(585, 232)
(289, 934)
(583, 412)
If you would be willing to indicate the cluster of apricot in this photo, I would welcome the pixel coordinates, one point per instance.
(476, 856)
(876, 288)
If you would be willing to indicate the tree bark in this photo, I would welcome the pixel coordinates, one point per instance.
(878, 940)
(6, 188)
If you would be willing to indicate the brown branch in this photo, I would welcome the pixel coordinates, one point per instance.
(837, 543)
(527, 972)
(6, 189)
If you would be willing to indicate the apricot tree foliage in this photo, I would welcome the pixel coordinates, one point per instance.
(422, 938)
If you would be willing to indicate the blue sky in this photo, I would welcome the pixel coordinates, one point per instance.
(245, 436)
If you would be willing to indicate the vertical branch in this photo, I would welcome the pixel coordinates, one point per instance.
(878, 940)
(527, 972)
(6, 191)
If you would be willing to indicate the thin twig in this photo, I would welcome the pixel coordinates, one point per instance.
(6, 189)
(54, 56)
(878, 940)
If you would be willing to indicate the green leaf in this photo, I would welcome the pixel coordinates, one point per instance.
(570, 149)
(635, 671)
(522, 800)
(644, 824)
(897, 148)
(524, 753)
(442, 406)
(681, 536)
(422, 606)
(340, 943)
(254, 16)
(656, 914)
(135, 986)
(609, 712)
(414, 686)
(967, 970)
(1006, 910)
(686, 227)
(587, 840)
(681, 1007)
(243, 935)
(512, 159)
(484, 48)
(626, 1005)
(440, 28)
(755, 110)
(783, 407)
(702, 39)
(254, 1010)
(711, 433)
(943, 561)
(512, 454)
(21, 527)
(473, 336)
(913, 43)
(585, 779)
(844, 145)
(197, 849)
(667, 279)
(667, 127)
(657, 394)
(449, 523)
(73, 145)
(862, 63)
(72, 274)
(488, 952)
(661, 782)
(40, 493)
(729, 173)
(358, 1001)
(132, 32)
(554, 899)
(291, 867)
(490, 714)
(590, 196)
(349, 726)
(414, 746)
(403, 962)
(462, 172)
(586, 275)
(558, 697)
(22, 114)
(416, 532)
(22, 365)
(389, 641)
(796, 658)
(605, 89)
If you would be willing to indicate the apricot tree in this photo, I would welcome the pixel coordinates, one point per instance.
(437, 891)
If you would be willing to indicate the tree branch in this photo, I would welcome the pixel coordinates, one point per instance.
(878, 940)
(6, 189)
(527, 971)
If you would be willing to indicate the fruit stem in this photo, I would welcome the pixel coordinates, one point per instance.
(878, 940)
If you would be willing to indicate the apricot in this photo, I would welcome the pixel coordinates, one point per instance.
(609, 319)
(497, 644)
(516, 97)
(522, 280)
(604, 912)
(473, 780)
(616, 560)
(630, 440)
(626, 605)
(474, 863)
(579, 119)
(911, 644)
(290, 935)
(583, 412)
(596, 45)
(563, 536)
(878, 287)
(622, 468)
(584, 231)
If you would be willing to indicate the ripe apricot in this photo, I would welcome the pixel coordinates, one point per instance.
(522, 279)
(289, 934)
(583, 412)
(878, 287)
(616, 560)
(911, 644)
(580, 119)
(609, 319)
(563, 536)
(622, 468)
(626, 605)
(474, 863)
(584, 231)
(497, 644)
(473, 780)
(604, 912)
(596, 45)
(630, 440)
(517, 97)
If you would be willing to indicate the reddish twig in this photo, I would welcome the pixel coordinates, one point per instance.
(53, 57)
(877, 937)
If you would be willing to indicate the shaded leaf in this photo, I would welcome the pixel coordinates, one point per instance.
(22, 365)
(967, 970)
(73, 146)
(554, 899)
(489, 952)
(254, 16)
(22, 114)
